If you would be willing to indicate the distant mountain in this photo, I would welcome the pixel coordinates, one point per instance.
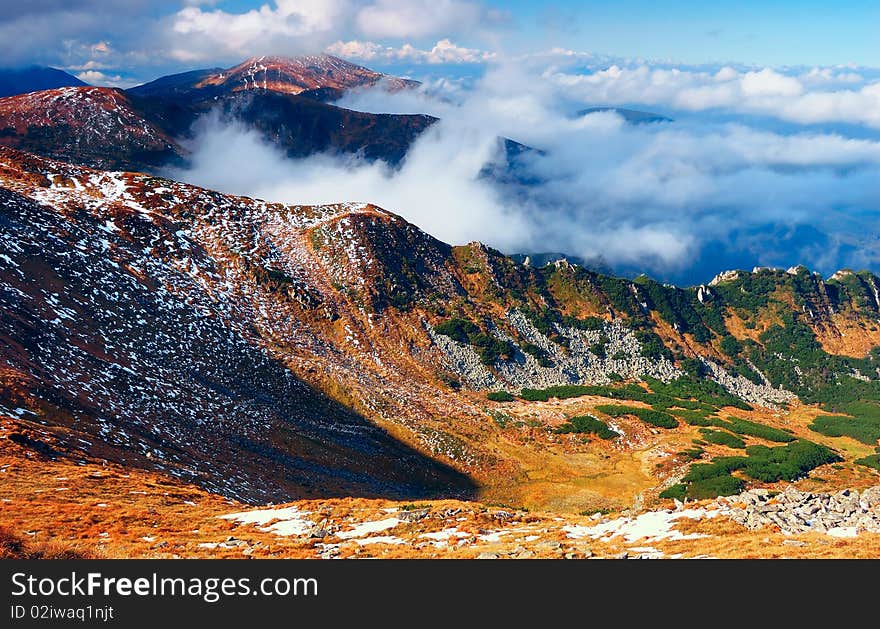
(297, 125)
(323, 77)
(96, 126)
(144, 128)
(173, 83)
(141, 129)
(33, 79)
(632, 116)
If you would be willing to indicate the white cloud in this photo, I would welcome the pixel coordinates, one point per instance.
(416, 18)
(768, 82)
(199, 33)
(298, 26)
(650, 197)
(438, 187)
(101, 79)
(444, 51)
(818, 96)
(363, 50)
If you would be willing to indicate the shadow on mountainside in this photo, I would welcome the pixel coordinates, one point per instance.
(129, 358)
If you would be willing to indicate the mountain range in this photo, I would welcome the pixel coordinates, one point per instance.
(266, 352)
(33, 79)
(146, 128)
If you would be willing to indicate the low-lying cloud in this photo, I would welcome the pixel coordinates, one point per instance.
(810, 97)
(680, 200)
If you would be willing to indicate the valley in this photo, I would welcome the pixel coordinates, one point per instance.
(186, 373)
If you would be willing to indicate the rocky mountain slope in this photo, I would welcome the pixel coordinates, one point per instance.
(319, 76)
(166, 320)
(110, 329)
(142, 129)
(91, 125)
(285, 100)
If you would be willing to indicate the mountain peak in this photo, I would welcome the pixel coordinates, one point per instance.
(295, 75)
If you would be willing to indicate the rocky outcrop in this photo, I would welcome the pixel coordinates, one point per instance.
(841, 514)
(724, 276)
(760, 394)
(465, 362)
(578, 364)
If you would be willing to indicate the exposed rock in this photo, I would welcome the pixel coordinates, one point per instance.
(463, 360)
(794, 542)
(842, 514)
(724, 276)
(411, 516)
(577, 365)
(745, 389)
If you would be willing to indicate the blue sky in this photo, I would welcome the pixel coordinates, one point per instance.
(773, 32)
(770, 32)
(131, 40)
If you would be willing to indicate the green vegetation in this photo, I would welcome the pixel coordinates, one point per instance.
(592, 324)
(714, 486)
(539, 354)
(564, 391)
(742, 368)
(458, 329)
(598, 349)
(761, 431)
(862, 424)
(647, 415)
(415, 507)
(694, 401)
(488, 347)
(705, 391)
(503, 420)
(677, 307)
(693, 454)
(587, 424)
(722, 438)
(693, 367)
(652, 345)
(619, 293)
(695, 418)
(750, 291)
(872, 460)
(500, 396)
(788, 462)
(545, 322)
(730, 346)
(677, 492)
(791, 357)
(663, 403)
